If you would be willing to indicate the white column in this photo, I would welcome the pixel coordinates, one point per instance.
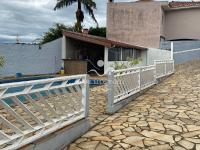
(105, 60)
(172, 50)
(63, 49)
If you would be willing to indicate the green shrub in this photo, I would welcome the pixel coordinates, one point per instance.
(131, 62)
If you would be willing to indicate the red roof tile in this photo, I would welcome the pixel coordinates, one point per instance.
(99, 40)
(184, 4)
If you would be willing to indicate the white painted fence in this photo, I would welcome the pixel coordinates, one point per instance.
(164, 67)
(33, 109)
(122, 84)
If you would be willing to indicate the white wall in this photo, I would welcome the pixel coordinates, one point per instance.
(108, 64)
(157, 54)
(29, 59)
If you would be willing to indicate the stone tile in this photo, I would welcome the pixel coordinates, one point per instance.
(166, 121)
(158, 136)
(134, 140)
(156, 125)
(129, 129)
(193, 140)
(88, 145)
(119, 137)
(160, 147)
(109, 144)
(192, 127)
(174, 127)
(177, 138)
(150, 142)
(131, 133)
(198, 147)
(81, 140)
(115, 133)
(105, 129)
(142, 123)
(101, 138)
(186, 144)
(91, 134)
(125, 146)
(73, 147)
(102, 147)
(133, 119)
(182, 115)
(178, 148)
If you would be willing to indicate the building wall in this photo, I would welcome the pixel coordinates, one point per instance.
(181, 47)
(137, 23)
(185, 27)
(187, 56)
(157, 54)
(29, 59)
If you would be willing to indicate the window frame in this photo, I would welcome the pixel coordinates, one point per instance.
(134, 51)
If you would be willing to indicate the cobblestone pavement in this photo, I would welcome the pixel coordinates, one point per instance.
(97, 106)
(165, 117)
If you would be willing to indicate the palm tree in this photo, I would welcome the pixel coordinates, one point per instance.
(89, 6)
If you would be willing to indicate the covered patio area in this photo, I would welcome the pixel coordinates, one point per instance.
(83, 53)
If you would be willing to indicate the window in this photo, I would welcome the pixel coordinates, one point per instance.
(114, 54)
(137, 54)
(126, 52)
(121, 54)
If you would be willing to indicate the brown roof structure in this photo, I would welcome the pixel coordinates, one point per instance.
(175, 4)
(99, 40)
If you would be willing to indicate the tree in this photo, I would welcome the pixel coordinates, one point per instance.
(98, 31)
(89, 6)
(55, 32)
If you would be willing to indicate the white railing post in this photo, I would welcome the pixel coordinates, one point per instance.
(140, 79)
(173, 67)
(110, 91)
(166, 67)
(85, 97)
(155, 68)
(172, 50)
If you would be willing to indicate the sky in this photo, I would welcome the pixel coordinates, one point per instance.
(29, 19)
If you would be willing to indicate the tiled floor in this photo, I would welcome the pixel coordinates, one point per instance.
(165, 117)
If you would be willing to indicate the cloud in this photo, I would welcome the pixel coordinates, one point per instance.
(31, 18)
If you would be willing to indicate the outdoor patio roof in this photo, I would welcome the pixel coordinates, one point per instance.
(99, 40)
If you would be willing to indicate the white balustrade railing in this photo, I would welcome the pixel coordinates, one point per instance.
(160, 68)
(164, 67)
(127, 82)
(147, 76)
(169, 66)
(30, 110)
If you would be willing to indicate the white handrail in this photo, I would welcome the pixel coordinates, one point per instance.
(186, 51)
(65, 102)
(126, 82)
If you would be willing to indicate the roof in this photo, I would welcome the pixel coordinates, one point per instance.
(99, 40)
(184, 4)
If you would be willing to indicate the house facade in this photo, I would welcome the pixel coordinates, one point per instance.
(82, 53)
(149, 23)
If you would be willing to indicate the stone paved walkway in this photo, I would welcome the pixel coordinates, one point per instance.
(97, 106)
(165, 117)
